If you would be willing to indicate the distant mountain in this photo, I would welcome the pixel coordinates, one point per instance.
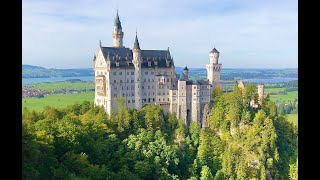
(25, 66)
(30, 71)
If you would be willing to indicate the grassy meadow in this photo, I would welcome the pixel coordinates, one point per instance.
(290, 96)
(56, 100)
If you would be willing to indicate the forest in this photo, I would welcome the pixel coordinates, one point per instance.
(238, 141)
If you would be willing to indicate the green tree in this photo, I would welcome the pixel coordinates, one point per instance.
(206, 173)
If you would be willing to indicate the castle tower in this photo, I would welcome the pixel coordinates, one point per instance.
(186, 72)
(260, 93)
(214, 68)
(117, 33)
(137, 60)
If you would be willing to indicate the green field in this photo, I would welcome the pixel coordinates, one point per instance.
(62, 85)
(273, 90)
(56, 100)
(290, 96)
(293, 118)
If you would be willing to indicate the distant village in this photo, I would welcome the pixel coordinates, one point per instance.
(30, 91)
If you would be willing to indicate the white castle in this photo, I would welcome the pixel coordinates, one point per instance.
(143, 77)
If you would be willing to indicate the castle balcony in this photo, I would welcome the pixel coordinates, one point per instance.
(162, 103)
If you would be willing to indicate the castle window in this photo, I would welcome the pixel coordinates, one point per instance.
(142, 87)
(149, 64)
(159, 100)
(201, 98)
(148, 99)
(159, 93)
(148, 87)
(132, 73)
(123, 94)
(181, 99)
(168, 80)
(114, 73)
(168, 99)
(128, 74)
(148, 80)
(132, 94)
(164, 99)
(127, 80)
(181, 87)
(153, 99)
(120, 81)
(152, 93)
(194, 87)
(151, 71)
(132, 81)
(120, 73)
(133, 101)
(115, 95)
(115, 88)
(152, 80)
(146, 72)
(168, 93)
(163, 93)
(144, 80)
(194, 93)
(128, 101)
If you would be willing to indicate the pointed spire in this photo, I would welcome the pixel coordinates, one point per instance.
(136, 43)
(168, 53)
(100, 43)
(117, 22)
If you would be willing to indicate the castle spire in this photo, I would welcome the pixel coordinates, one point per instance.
(136, 43)
(117, 22)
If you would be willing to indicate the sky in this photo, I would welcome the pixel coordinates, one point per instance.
(247, 33)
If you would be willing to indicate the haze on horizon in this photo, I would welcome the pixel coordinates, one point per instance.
(248, 34)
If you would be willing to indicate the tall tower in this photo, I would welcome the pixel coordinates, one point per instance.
(260, 93)
(137, 60)
(117, 33)
(214, 68)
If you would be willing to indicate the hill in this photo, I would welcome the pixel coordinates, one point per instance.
(30, 71)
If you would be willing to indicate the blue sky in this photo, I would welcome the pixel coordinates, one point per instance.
(248, 33)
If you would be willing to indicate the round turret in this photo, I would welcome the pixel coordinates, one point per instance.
(117, 33)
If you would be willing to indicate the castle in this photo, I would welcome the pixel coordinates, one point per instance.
(143, 77)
